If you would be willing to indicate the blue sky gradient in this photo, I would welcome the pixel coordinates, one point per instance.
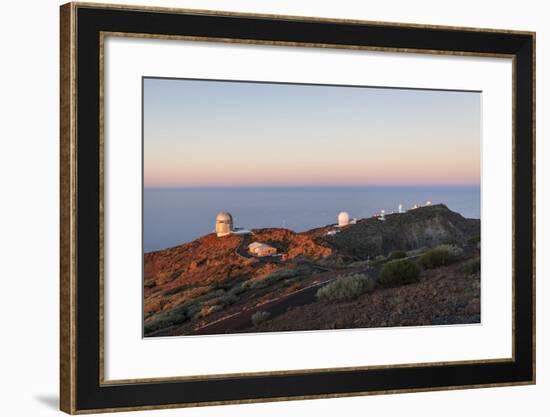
(237, 134)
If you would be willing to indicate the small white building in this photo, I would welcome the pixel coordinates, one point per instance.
(343, 219)
(400, 208)
(382, 215)
(261, 249)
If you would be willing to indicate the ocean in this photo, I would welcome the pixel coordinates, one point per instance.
(175, 216)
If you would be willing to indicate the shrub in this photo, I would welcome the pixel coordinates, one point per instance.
(259, 317)
(153, 326)
(190, 309)
(399, 272)
(238, 289)
(455, 250)
(196, 291)
(228, 283)
(206, 296)
(439, 256)
(228, 299)
(360, 264)
(398, 254)
(223, 300)
(473, 240)
(164, 320)
(472, 267)
(277, 276)
(346, 287)
(434, 258)
(379, 260)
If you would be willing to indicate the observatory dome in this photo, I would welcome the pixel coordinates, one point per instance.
(343, 219)
(224, 223)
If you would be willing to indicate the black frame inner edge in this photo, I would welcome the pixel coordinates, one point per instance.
(91, 395)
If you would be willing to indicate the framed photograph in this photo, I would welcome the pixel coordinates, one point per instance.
(264, 208)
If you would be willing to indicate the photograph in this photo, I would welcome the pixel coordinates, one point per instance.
(281, 207)
(278, 205)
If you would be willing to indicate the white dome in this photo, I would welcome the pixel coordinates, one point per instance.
(224, 216)
(343, 219)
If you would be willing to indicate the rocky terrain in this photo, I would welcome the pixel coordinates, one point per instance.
(214, 285)
(447, 295)
(193, 269)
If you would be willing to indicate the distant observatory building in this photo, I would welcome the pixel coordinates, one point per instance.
(224, 224)
(343, 219)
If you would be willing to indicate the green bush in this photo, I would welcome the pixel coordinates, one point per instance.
(472, 267)
(206, 296)
(439, 256)
(346, 287)
(455, 250)
(228, 283)
(398, 254)
(192, 309)
(223, 300)
(277, 276)
(473, 240)
(259, 317)
(154, 325)
(379, 260)
(164, 320)
(187, 310)
(399, 272)
(238, 289)
(360, 264)
(228, 299)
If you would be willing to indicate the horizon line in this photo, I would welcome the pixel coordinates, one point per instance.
(286, 187)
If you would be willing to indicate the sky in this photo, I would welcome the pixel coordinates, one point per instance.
(201, 133)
